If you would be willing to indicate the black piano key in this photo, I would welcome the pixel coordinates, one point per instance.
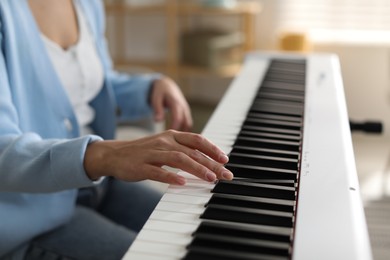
(284, 96)
(240, 230)
(201, 253)
(276, 109)
(246, 215)
(275, 117)
(296, 68)
(295, 100)
(293, 89)
(287, 88)
(259, 125)
(272, 130)
(244, 245)
(279, 182)
(260, 160)
(264, 152)
(251, 202)
(287, 68)
(289, 64)
(298, 116)
(284, 87)
(280, 77)
(286, 76)
(273, 124)
(274, 136)
(264, 102)
(253, 172)
(254, 189)
(267, 143)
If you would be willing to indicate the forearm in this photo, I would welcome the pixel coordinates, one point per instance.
(30, 164)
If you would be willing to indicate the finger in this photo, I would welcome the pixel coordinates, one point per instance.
(182, 161)
(199, 142)
(161, 175)
(220, 171)
(217, 168)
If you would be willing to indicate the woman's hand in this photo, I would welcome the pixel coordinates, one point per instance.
(143, 158)
(166, 94)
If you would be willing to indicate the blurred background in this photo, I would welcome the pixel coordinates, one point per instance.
(201, 44)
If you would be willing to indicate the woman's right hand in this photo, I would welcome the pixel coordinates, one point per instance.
(143, 158)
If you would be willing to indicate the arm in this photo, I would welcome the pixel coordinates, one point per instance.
(27, 162)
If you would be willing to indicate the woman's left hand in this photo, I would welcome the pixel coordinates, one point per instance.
(165, 94)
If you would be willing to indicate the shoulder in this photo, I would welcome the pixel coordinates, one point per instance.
(15, 14)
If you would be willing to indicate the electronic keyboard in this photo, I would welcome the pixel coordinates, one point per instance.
(283, 122)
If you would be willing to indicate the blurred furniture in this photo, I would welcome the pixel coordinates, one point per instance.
(294, 41)
(178, 13)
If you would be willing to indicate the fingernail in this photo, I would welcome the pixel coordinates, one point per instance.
(224, 158)
(210, 176)
(180, 180)
(227, 175)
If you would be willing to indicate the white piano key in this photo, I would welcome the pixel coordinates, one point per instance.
(186, 175)
(183, 198)
(226, 149)
(180, 239)
(167, 226)
(217, 137)
(131, 255)
(160, 249)
(193, 187)
(197, 193)
(180, 207)
(176, 217)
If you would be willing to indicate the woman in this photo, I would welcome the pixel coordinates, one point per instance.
(59, 99)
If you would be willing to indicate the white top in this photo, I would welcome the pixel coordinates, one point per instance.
(80, 71)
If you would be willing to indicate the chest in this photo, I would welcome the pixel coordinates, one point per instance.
(57, 20)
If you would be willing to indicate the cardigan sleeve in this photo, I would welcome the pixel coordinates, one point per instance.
(29, 163)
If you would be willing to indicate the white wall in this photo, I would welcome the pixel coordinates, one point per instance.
(145, 37)
(366, 73)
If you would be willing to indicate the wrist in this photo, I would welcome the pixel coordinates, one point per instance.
(93, 160)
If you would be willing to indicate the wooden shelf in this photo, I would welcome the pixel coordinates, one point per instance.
(239, 9)
(184, 9)
(223, 71)
(122, 8)
(184, 70)
(174, 10)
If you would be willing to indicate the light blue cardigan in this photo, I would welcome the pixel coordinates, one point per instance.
(41, 153)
